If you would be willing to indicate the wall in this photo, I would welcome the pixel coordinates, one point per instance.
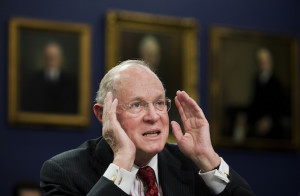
(23, 150)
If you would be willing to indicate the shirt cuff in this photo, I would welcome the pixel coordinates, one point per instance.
(121, 177)
(217, 179)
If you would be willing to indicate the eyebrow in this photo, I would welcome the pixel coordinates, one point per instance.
(141, 99)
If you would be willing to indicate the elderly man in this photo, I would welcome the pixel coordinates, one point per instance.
(132, 157)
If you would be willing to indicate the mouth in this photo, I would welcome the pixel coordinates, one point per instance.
(151, 133)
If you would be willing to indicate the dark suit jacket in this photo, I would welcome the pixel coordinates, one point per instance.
(79, 172)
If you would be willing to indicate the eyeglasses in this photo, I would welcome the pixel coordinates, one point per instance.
(160, 105)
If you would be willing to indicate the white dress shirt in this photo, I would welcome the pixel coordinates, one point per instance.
(128, 181)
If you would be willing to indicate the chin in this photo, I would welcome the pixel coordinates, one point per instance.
(154, 149)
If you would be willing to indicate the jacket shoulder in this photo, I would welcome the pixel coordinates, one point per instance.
(77, 169)
(78, 154)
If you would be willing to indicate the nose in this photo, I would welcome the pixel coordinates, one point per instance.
(151, 114)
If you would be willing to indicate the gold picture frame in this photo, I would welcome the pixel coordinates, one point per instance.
(167, 44)
(254, 89)
(65, 100)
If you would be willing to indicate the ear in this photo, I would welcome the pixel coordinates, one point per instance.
(98, 111)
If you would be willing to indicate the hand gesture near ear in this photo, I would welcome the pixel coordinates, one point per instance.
(123, 148)
(195, 143)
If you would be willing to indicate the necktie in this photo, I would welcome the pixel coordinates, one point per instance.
(147, 175)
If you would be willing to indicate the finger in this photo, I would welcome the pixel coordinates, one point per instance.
(107, 105)
(190, 107)
(111, 116)
(180, 109)
(115, 123)
(107, 100)
(113, 109)
(177, 131)
(112, 113)
(114, 104)
(183, 100)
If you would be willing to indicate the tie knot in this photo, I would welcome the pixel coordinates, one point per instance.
(147, 175)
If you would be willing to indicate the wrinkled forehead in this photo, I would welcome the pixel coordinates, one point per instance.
(137, 78)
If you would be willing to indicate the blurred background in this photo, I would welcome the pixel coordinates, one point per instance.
(24, 149)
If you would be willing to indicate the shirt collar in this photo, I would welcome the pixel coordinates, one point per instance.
(52, 74)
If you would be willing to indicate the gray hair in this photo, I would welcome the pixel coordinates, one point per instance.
(107, 83)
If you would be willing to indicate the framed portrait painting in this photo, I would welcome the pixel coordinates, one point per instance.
(167, 44)
(254, 89)
(49, 73)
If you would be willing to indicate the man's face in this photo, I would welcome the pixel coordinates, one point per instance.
(148, 129)
(53, 56)
(264, 61)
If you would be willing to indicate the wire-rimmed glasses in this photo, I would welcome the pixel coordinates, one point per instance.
(160, 105)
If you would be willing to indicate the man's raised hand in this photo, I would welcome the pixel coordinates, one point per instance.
(123, 148)
(195, 143)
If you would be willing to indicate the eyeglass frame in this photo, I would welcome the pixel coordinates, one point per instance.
(145, 105)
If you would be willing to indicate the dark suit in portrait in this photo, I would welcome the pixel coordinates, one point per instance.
(42, 94)
(270, 105)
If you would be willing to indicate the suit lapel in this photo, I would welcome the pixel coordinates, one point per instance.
(172, 179)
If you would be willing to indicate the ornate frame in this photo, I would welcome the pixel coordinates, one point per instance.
(82, 34)
(232, 71)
